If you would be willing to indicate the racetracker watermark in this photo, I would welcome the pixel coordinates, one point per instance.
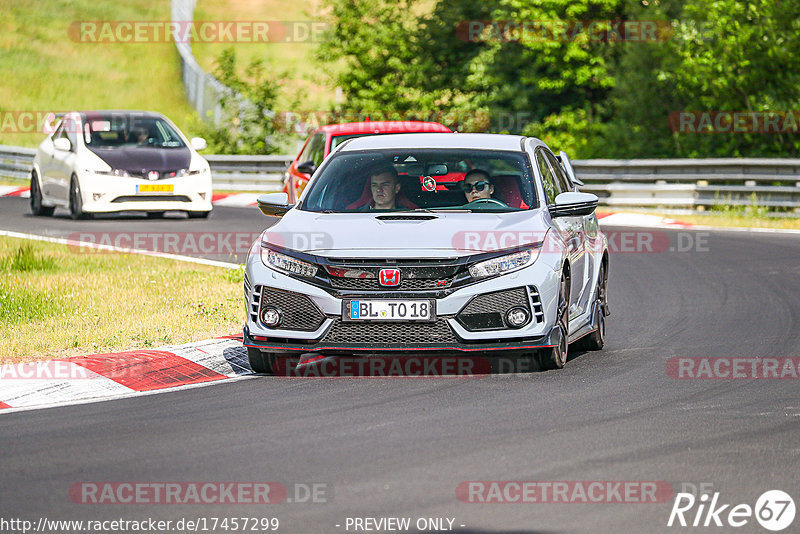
(322, 366)
(563, 31)
(736, 122)
(207, 492)
(39, 122)
(619, 241)
(733, 368)
(184, 243)
(197, 31)
(564, 491)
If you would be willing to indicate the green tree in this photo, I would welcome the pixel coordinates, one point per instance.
(247, 125)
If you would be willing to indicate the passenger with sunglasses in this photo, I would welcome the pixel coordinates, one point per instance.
(477, 184)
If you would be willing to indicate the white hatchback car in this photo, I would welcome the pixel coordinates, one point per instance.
(111, 161)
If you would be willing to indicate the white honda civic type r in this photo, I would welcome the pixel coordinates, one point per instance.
(414, 244)
(110, 161)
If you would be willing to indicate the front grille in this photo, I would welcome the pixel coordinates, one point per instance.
(403, 333)
(298, 312)
(486, 312)
(152, 198)
(161, 174)
(407, 284)
(253, 299)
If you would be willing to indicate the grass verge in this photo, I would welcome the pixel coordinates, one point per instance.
(58, 303)
(47, 70)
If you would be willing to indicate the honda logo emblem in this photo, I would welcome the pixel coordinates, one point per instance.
(152, 175)
(389, 277)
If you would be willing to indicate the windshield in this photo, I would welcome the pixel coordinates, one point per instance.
(126, 130)
(423, 179)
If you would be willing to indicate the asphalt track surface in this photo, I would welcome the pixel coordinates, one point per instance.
(400, 447)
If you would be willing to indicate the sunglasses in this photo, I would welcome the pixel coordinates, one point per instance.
(477, 186)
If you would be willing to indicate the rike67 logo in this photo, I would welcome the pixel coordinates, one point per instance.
(774, 510)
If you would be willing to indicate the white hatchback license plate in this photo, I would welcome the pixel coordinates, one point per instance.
(388, 310)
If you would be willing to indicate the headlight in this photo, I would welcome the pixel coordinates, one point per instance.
(287, 264)
(504, 264)
(113, 172)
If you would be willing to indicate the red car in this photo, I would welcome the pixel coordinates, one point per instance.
(320, 143)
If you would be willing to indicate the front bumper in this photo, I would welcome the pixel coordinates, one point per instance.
(103, 194)
(459, 347)
(328, 333)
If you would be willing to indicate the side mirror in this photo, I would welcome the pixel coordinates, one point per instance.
(274, 204)
(567, 164)
(572, 204)
(62, 144)
(198, 143)
(307, 167)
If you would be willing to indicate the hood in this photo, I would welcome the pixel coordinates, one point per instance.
(404, 235)
(139, 160)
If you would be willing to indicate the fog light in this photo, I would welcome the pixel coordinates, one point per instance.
(270, 316)
(97, 196)
(517, 317)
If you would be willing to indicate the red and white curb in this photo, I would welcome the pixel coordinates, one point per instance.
(638, 220)
(117, 375)
(14, 191)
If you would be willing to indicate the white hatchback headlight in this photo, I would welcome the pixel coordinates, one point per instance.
(287, 264)
(505, 264)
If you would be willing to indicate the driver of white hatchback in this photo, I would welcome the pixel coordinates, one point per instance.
(477, 184)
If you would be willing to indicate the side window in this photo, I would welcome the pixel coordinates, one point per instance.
(317, 149)
(561, 176)
(551, 189)
(71, 133)
(304, 155)
(59, 131)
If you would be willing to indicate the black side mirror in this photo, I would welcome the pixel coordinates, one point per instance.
(307, 167)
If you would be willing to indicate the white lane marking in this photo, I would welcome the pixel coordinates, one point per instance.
(71, 242)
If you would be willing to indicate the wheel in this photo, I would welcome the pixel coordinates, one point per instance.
(155, 214)
(597, 338)
(555, 357)
(260, 362)
(198, 214)
(37, 208)
(76, 202)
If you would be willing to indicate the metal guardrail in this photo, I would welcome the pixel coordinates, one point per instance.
(249, 173)
(203, 90)
(16, 162)
(764, 182)
(679, 183)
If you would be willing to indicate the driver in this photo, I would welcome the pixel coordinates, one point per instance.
(384, 185)
(477, 184)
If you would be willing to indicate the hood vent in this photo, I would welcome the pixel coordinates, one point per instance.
(417, 218)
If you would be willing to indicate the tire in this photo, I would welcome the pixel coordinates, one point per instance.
(76, 202)
(260, 362)
(556, 357)
(597, 339)
(198, 214)
(37, 208)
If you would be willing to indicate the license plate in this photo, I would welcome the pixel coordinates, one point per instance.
(155, 188)
(388, 310)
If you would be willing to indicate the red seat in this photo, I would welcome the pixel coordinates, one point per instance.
(506, 188)
(366, 198)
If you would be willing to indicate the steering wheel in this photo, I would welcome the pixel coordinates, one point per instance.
(487, 201)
